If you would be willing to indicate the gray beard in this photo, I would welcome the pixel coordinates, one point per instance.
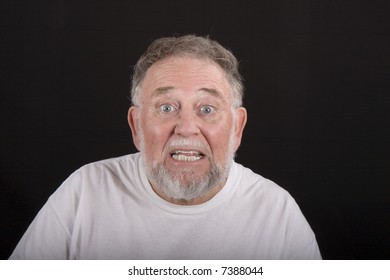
(187, 185)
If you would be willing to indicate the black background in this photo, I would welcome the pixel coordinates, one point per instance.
(317, 95)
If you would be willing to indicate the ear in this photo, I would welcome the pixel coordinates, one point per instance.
(240, 122)
(133, 120)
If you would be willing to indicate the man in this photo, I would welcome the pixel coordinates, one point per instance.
(182, 196)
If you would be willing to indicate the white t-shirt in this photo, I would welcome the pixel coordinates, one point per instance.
(108, 210)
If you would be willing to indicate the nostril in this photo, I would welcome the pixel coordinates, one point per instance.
(187, 125)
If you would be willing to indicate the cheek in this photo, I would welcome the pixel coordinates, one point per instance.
(219, 139)
(155, 136)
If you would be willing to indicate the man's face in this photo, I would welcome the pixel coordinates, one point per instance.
(185, 125)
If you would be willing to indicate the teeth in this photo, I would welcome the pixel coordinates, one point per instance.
(186, 156)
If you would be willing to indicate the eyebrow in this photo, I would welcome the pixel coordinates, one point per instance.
(213, 92)
(161, 91)
(165, 90)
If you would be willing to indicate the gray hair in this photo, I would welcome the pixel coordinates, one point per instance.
(190, 45)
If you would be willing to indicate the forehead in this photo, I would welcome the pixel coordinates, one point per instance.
(186, 75)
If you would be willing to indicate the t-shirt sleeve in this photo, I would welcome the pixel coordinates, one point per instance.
(302, 244)
(45, 239)
(49, 235)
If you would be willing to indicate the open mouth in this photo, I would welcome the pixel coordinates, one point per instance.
(186, 155)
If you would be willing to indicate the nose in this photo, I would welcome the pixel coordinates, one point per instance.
(187, 123)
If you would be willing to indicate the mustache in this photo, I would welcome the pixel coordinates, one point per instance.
(186, 142)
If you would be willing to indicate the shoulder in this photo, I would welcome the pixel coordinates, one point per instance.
(258, 192)
(100, 175)
(123, 166)
(255, 184)
(117, 164)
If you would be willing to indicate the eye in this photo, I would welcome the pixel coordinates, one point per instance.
(207, 110)
(166, 108)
